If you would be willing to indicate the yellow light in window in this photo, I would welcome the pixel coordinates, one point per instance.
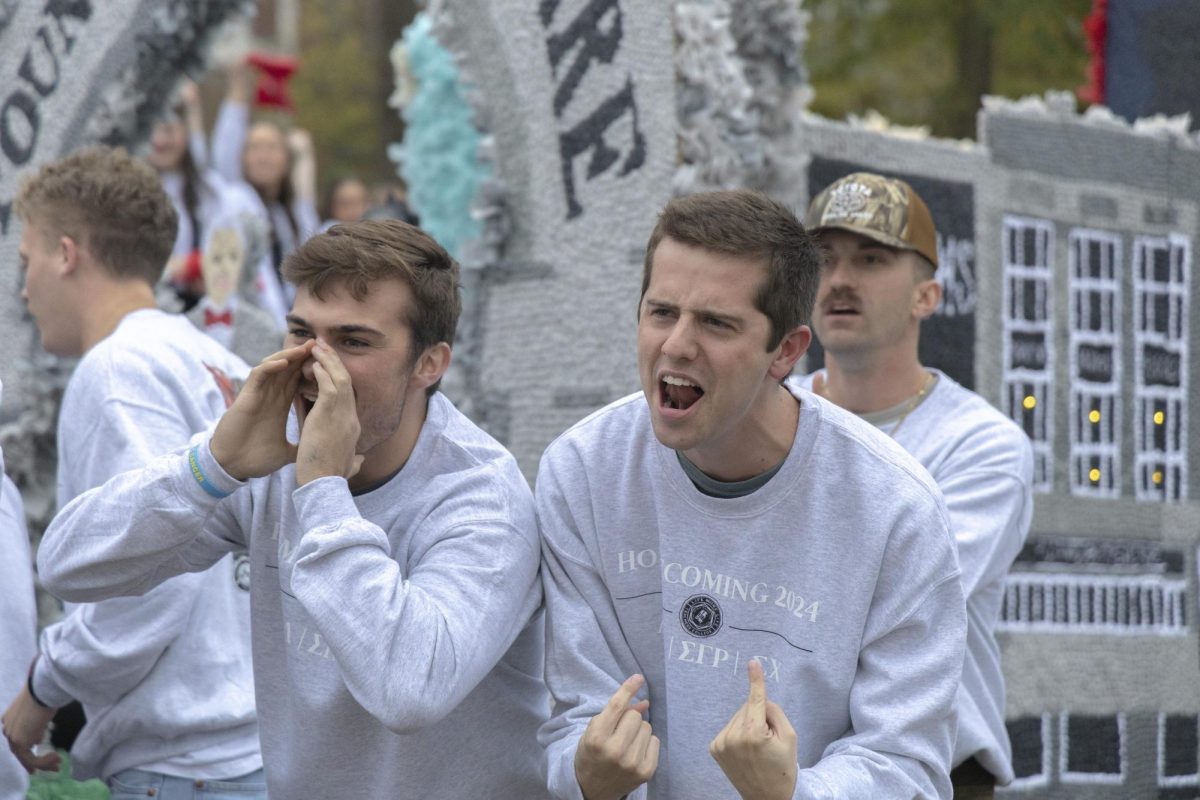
(1157, 477)
(1159, 417)
(1094, 417)
(1029, 402)
(1094, 475)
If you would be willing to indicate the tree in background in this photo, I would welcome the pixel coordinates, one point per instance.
(928, 62)
(343, 83)
(918, 62)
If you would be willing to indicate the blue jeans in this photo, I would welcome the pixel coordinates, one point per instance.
(136, 784)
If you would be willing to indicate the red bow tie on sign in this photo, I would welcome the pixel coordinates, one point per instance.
(212, 317)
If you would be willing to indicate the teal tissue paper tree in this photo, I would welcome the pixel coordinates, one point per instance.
(438, 158)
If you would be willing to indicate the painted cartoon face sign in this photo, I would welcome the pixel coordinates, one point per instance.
(221, 264)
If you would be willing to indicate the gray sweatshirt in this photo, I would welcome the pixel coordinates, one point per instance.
(983, 464)
(838, 575)
(165, 679)
(18, 620)
(397, 634)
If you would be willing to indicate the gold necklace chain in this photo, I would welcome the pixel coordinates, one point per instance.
(916, 401)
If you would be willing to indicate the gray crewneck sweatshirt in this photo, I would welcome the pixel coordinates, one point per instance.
(838, 575)
(983, 463)
(398, 633)
(166, 678)
(18, 620)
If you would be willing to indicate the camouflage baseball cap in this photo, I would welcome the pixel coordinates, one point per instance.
(886, 210)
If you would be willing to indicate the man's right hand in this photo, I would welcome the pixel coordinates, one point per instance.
(25, 724)
(618, 751)
(251, 438)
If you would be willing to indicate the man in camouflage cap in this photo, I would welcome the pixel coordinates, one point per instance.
(877, 284)
(884, 210)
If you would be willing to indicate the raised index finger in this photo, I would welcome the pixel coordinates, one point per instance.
(618, 704)
(757, 702)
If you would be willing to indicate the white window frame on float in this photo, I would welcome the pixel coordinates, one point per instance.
(1038, 779)
(1112, 605)
(1096, 778)
(1026, 390)
(1095, 413)
(1161, 471)
(1165, 780)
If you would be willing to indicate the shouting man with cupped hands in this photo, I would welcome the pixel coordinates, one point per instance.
(394, 551)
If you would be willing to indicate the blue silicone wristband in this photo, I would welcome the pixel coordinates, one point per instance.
(198, 473)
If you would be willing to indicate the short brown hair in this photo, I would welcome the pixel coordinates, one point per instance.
(748, 224)
(111, 204)
(357, 254)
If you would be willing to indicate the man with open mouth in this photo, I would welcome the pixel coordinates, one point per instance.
(877, 285)
(717, 528)
(394, 550)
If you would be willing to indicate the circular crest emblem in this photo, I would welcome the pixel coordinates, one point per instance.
(700, 616)
(847, 200)
(241, 571)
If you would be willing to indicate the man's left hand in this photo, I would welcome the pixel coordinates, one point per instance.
(757, 748)
(25, 724)
(329, 434)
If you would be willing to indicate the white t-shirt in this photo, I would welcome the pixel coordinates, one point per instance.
(983, 463)
(838, 575)
(18, 620)
(398, 633)
(165, 679)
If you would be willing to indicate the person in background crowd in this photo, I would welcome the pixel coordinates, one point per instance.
(280, 169)
(394, 549)
(199, 195)
(877, 285)
(718, 526)
(347, 201)
(225, 312)
(165, 678)
(18, 619)
(390, 201)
